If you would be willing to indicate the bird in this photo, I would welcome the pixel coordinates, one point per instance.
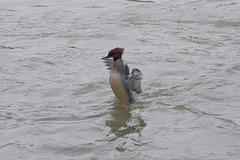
(122, 84)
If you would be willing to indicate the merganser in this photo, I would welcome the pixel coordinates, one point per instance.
(121, 82)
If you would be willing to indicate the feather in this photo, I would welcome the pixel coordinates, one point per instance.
(134, 79)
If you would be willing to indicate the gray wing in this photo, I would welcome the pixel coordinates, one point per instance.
(126, 70)
(109, 63)
(134, 80)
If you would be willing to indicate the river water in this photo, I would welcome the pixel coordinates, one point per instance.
(55, 98)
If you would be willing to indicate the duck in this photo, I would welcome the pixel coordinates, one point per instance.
(122, 83)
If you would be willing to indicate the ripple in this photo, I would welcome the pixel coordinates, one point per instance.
(40, 6)
(225, 23)
(141, 1)
(6, 47)
(234, 69)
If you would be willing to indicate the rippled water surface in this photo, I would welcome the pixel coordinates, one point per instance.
(55, 98)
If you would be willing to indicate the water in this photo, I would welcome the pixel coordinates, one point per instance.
(55, 98)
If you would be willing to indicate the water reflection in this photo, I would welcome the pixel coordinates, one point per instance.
(124, 122)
